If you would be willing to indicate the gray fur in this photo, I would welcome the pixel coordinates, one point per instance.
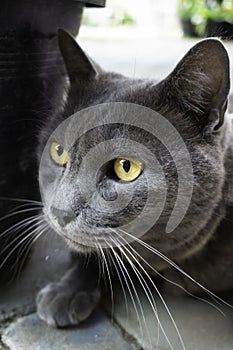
(193, 98)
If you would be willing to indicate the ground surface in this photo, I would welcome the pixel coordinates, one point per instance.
(202, 327)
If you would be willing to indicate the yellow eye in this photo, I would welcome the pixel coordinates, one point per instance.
(126, 169)
(59, 154)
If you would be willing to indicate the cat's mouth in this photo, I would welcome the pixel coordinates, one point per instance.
(85, 241)
(88, 231)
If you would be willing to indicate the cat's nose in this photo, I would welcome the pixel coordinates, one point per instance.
(63, 217)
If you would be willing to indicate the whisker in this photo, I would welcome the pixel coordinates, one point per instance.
(215, 297)
(38, 207)
(207, 302)
(160, 296)
(32, 242)
(124, 274)
(20, 224)
(122, 287)
(21, 200)
(17, 269)
(109, 278)
(22, 250)
(21, 234)
(15, 247)
(144, 286)
(100, 264)
(17, 213)
(26, 247)
(149, 294)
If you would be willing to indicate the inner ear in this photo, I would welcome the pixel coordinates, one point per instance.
(201, 80)
(79, 67)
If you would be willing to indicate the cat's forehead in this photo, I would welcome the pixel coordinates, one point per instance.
(114, 88)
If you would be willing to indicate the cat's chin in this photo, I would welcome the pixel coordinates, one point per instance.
(79, 247)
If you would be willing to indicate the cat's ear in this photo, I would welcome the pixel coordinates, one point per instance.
(79, 67)
(201, 81)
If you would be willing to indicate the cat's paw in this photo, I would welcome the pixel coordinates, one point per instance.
(59, 307)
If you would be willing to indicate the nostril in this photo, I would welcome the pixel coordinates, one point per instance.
(63, 216)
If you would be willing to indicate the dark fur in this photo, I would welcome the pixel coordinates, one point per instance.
(27, 97)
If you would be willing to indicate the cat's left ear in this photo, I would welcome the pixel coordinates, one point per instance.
(79, 67)
(201, 82)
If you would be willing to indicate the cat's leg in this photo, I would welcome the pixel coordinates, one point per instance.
(72, 299)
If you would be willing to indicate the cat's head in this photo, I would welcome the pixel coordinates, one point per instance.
(80, 200)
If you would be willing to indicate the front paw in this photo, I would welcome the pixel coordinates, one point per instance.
(59, 307)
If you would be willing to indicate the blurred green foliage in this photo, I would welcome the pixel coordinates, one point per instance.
(193, 10)
(219, 10)
(200, 11)
(116, 17)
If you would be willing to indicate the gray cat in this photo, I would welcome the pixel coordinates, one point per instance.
(193, 98)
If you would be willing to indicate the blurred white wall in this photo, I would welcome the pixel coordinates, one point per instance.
(156, 17)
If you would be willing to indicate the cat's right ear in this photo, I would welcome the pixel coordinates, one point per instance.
(79, 67)
(201, 82)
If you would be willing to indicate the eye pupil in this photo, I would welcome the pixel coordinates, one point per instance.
(126, 166)
(59, 150)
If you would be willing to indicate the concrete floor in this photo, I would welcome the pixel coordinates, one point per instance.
(201, 326)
